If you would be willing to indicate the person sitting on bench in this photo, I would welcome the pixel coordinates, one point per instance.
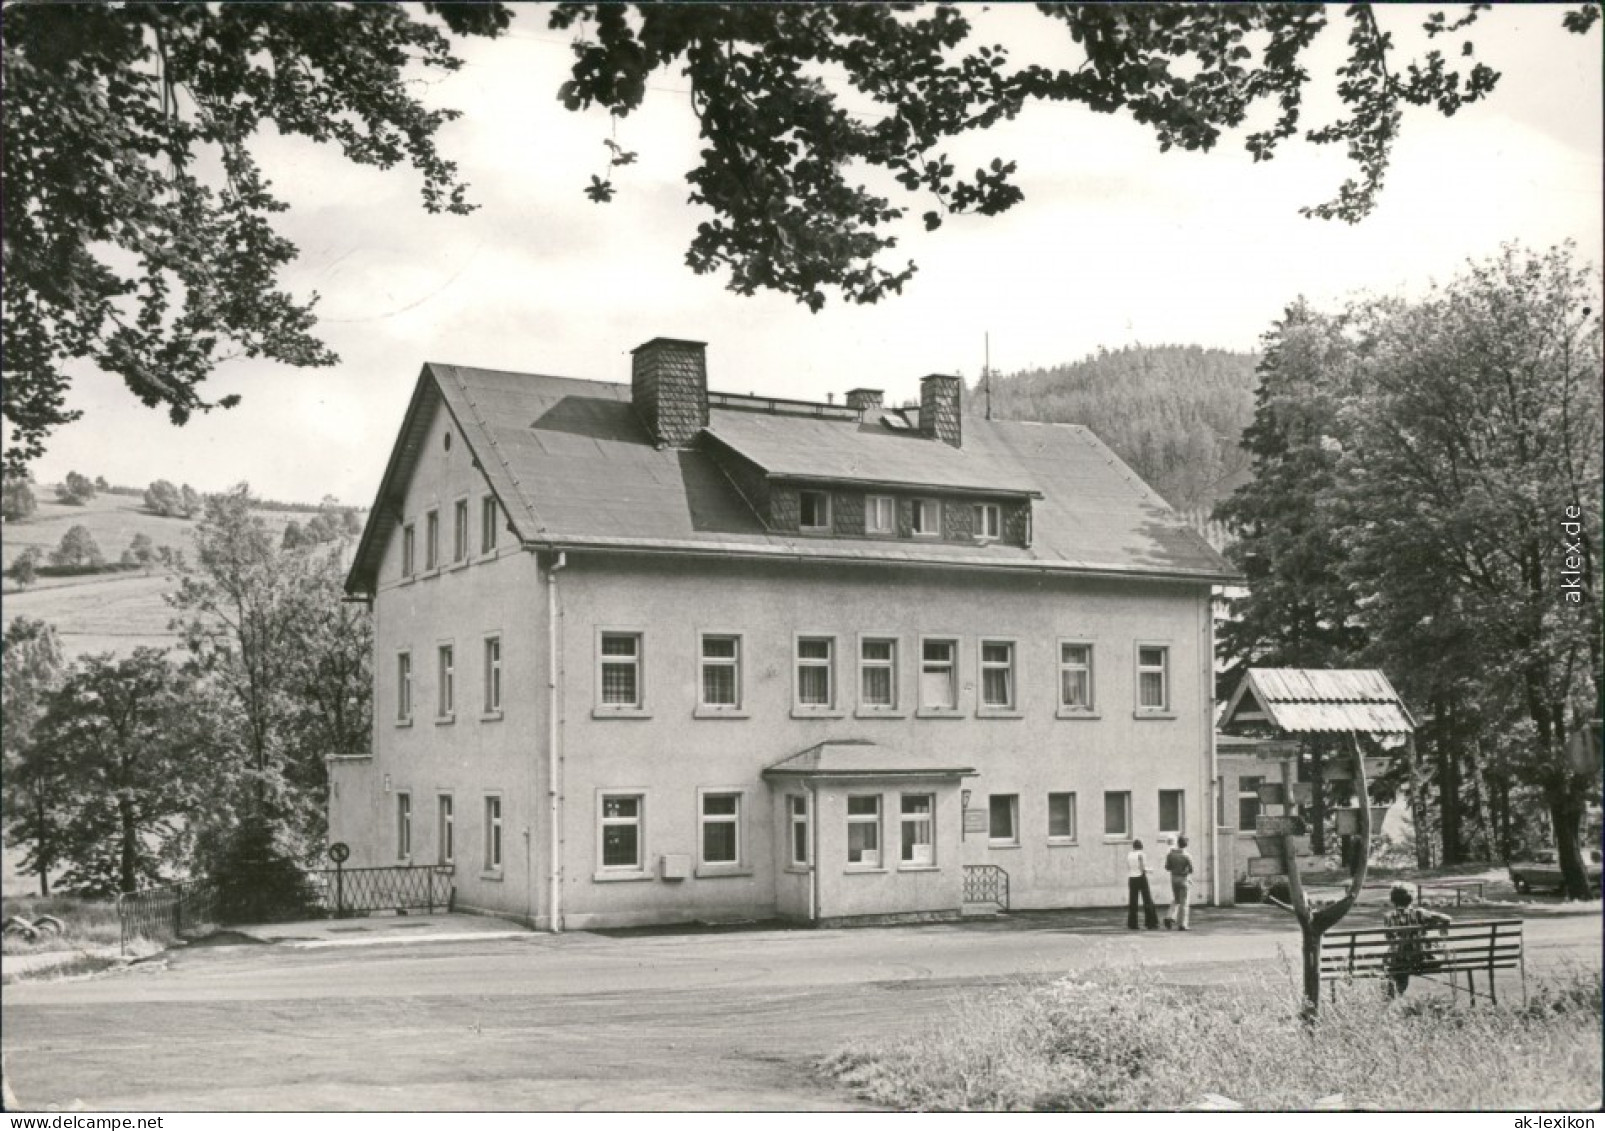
(1409, 949)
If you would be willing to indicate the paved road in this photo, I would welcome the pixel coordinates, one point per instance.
(628, 1021)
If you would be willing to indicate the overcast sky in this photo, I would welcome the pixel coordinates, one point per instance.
(1114, 244)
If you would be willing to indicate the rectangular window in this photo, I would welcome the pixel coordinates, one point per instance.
(880, 515)
(1075, 677)
(1117, 815)
(1003, 818)
(448, 681)
(813, 510)
(403, 826)
(988, 521)
(816, 686)
(1248, 803)
(493, 834)
(446, 838)
(919, 829)
(926, 518)
(1153, 690)
(997, 674)
(877, 673)
(939, 674)
(721, 828)
(409, 562)
(620, 661)
(487, 524)
(404, 687)
(1172, 812)
(493, 674)
(721, 671)
(800, 854)
(431, 539)
(864, 831)
(621, 832)
(1062, 816)
(459, 531)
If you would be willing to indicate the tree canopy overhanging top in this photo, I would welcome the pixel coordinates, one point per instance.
(122, 253)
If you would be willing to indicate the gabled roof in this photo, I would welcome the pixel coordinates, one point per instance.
(860, 758)
(1310, 701)
(574, 468)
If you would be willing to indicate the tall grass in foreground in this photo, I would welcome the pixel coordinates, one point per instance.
(88, 922)
(1117, 1040)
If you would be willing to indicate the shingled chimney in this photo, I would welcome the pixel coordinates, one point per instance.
(863, 401)
(669, 388)
(940, 415)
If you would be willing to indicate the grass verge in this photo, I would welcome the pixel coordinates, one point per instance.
(87, 923)
(1116, 1040)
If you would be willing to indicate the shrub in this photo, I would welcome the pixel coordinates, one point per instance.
(1115, 1039)
(257, 880)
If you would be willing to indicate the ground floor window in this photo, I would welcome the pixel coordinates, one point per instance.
(403, 826)
(493, 834)
(1117, 815)
(621, 831)
(446, 839)
(1003, 818)
(798, 806)
(1062, 817)
(1172, 812)
(721, 828)
(864, 831)
(919, 828)
(1248, 805)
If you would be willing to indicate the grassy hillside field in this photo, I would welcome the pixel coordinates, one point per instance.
(115, 612)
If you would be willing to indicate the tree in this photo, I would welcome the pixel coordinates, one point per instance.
(113, 734)
(141, 551)
(101, 484)
(17, 500)
(1469, 497)
(31, 666)
(293, 538)
(77, 548)
(76, 491)
(189, 501)
(25, 567)
(271, 628)
(115, 117)
(161, 497)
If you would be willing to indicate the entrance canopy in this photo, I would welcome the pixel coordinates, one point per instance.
(846, 759)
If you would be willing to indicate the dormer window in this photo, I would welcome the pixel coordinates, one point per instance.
(926, 518)
(880, 516)
(988, 521)
(814, 511)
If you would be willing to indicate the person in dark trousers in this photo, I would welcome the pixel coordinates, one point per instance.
(1137, 887)
(1179, 863)
(1411, 947)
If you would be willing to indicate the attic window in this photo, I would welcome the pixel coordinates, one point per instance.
(814, 510)
(447, 441)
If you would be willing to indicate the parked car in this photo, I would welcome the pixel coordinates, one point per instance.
(1543, 871)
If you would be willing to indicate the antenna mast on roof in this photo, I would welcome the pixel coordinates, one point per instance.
(986, 373)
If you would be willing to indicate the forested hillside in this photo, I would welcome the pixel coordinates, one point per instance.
(1174, 413)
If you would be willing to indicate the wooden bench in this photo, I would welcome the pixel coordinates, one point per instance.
(1465, 947)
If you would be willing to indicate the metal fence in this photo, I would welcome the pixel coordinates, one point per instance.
(986, 883)
(165, 912)
(416, 887)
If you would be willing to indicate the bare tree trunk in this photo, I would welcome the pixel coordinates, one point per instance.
(1418, 805)
(1485, 817)
(1313, 923)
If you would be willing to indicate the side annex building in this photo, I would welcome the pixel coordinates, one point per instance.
(648, 653)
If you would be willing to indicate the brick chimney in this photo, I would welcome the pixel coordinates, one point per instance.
(940, 416)
(669, 388)
(864, 401)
